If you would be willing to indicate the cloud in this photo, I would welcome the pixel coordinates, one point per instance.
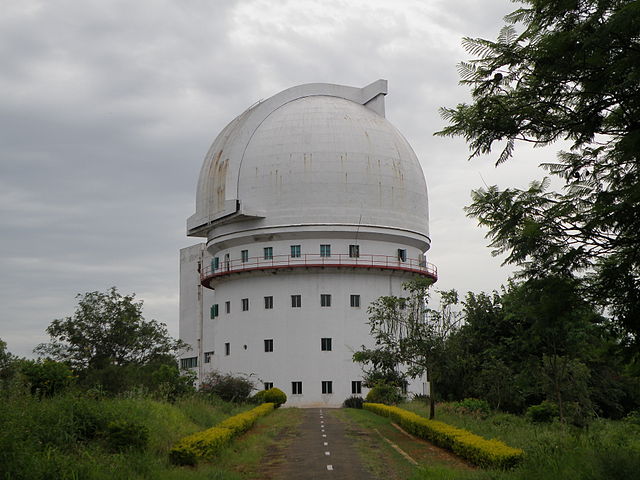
(108, 109)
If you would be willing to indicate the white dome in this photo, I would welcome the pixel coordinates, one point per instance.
(324, 158)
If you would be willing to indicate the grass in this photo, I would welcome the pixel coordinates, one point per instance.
(64, 437)
(605, 450)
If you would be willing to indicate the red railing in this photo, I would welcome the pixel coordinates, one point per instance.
(227, 267)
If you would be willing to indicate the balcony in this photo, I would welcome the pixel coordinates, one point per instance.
(225, 268)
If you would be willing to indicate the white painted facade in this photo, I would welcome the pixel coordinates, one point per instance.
(313, 194)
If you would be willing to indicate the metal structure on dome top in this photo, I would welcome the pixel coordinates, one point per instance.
(313, 205)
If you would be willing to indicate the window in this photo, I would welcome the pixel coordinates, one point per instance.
(227, 307)
(295, 251)
(268, 345)
(325, 300)
(214, 310)
(207, 357)
(268, 385)
(296, 388)
(215, 263)
(356, 387)
(325, 344)
(325, 250)
(268, 303)
(404, 387)
(355, 301)
(227, 349)
(244, 256)
(190, 362)
(268, 253)
(296, 301)
(327, 386)
(402, 255)
(227, 262)
(354, 251)
(245, 304)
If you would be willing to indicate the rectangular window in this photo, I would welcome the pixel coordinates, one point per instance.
(268, 345)
(325, 300)
(244, 256)
(356, 387)
(325, 344)
(227, 349)
(354, 251)
(327, 386)
(245, 304)
(296, 388)
(207, 357)
(296, 301)
(268, 303)
(355, 301)
(214, 310)
(402, 255)
(268, 385)
(295, 251)
(325, 250)
(190, 362)
(227, 306)
(215, 263)
(268, 253)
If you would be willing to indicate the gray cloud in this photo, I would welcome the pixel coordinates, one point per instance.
(108, 108)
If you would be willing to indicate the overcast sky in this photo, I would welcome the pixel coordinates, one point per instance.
(107, 109)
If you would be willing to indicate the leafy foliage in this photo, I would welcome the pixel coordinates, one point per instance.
(46, 377)
(353, 401)
(564, 71)
(230, 388)
(409, 336)
(123, 435)
(384, 393)
(108, 329)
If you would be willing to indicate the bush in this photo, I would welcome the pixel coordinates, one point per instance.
(208, 443)
(123, 435)
(478, 450)
(46, 377)
(633, 417)
(473, 406)
(230, 388)
(273, 395)
(384, 393)
(542, 413)
(353, 402)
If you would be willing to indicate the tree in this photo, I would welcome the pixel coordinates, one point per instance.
(409, 337)
(107, 330)
(571, 72)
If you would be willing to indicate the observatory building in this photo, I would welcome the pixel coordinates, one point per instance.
(311, 206)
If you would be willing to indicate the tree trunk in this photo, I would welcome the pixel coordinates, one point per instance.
(432, 402)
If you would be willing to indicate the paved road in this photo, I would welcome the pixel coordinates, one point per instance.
(322, 450)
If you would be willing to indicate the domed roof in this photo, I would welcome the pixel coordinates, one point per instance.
(315, 154)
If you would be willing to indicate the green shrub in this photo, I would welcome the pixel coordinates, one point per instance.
(46, 377)
(478, 450)
(208, 443)
(123, 435)
(542, 413)
(274, 395)
(230, 388)
(353, 402)
(384, 393)
(633, 417)
(474, 406)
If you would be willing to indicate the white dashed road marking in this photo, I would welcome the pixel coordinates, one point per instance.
(329, 467)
